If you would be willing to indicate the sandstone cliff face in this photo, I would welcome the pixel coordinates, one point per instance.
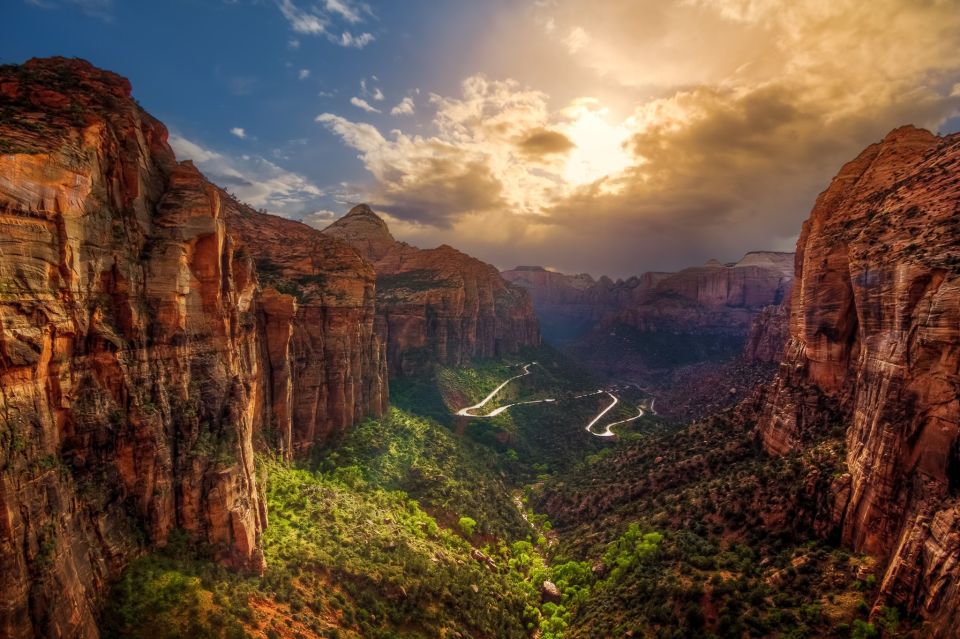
(323, 359)
(437, 305)
(714, 298)
(875, 342)
(768, 334)
(140, 361)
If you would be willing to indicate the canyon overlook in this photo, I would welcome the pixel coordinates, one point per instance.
(164, 348)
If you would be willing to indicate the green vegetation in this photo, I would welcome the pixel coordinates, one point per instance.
(448, 475)
(417, 280)
(351, 554)
(411, 527)
(467, 526)
(341, 554)
(696, 533)
(302, 287)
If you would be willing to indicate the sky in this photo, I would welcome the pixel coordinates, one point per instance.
(610, 137)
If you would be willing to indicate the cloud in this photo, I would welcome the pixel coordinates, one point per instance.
(303, 74)
(374, 93)
(239, 132)
(319, 219)
(576, 39)
(360, 103)
(544, 142)
(404, 107)
(255, 180)
(470, 165)
(347, 39)
(302, 21)
(348, 11)
(321, 20)
(704, 128)
(102, 9)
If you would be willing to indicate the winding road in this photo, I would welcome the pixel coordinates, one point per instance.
(465, 412)
(469, 410)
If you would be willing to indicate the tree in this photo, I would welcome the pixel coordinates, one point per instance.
(467, 525)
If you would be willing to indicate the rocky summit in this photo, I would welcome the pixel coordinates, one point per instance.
(437, 305)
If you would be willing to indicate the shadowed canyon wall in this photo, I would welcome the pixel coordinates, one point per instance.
(711, 299)
(874, 344)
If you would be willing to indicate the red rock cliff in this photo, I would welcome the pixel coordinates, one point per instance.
(141, 361)
(714, 298)
(437, 305)
(325, 365)
(875, 345)
(768, 334)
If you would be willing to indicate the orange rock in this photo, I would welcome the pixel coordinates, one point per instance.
(437, 305)
(143, 356)
(874, 345)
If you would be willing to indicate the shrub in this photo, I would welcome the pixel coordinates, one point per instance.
(467, 525)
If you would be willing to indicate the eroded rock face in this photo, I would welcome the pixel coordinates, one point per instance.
(141, 359)
(768, 334)
(714, 298)
(327, 367)
(875, 345)
(437, 305)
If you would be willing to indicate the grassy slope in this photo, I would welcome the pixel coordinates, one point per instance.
(347, 557)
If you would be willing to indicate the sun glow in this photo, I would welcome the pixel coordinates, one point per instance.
(599, 146)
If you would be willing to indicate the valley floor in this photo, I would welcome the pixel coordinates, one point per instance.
(522, 523)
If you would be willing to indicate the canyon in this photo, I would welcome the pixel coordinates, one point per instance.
(164, 348)
(711, 299)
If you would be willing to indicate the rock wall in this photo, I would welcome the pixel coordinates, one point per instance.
(141, 359)
(875, 345)
(768, 334)
(437, 305)
(324, 362)
(714, 298)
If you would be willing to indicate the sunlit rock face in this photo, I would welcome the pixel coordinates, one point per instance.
(316, 313)
(143, 359)
(437, 305)
(874, 345)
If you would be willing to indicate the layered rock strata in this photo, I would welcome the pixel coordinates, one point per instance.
(437, 305)
(874, 347)
(144, 356)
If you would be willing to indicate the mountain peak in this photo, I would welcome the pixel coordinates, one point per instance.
(365, 231)
(363, 210)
